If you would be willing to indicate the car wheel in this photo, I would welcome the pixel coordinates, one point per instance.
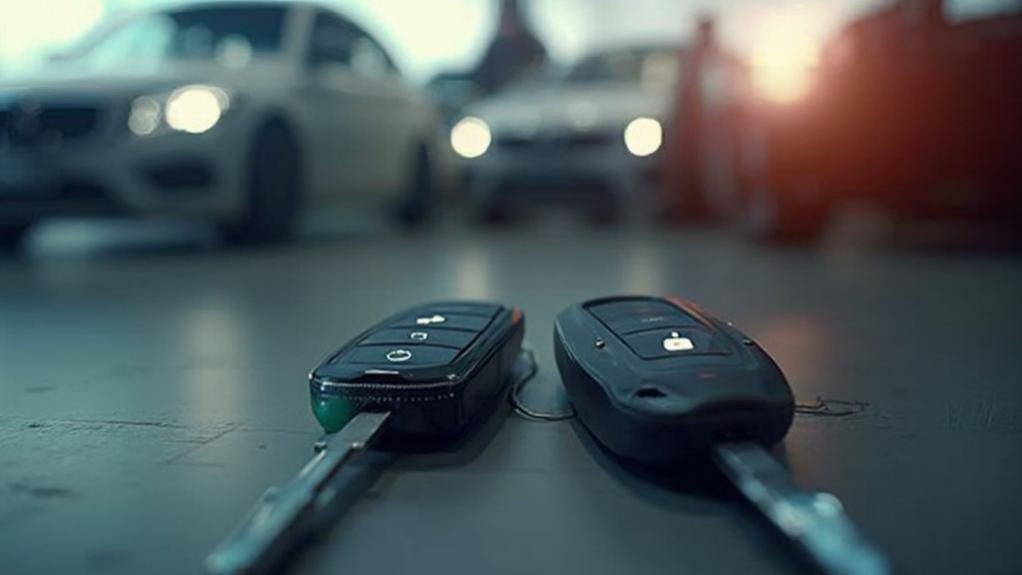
(767, 215)
(273, 182)
(417, 204)
(11, 235)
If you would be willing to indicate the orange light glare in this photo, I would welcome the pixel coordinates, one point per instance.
(783, 61)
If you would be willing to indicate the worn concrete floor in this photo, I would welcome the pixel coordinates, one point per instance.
(152, 387)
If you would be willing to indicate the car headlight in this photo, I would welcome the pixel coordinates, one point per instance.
(644, 136)
(193, 109)
(471, 137)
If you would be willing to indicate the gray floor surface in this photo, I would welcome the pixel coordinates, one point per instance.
(150, 391)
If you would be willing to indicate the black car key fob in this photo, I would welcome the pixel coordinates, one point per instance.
(433, 366)
(424, 373)
(658, 380)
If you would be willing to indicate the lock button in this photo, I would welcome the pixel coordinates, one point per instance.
(674, 342)
(443, 320)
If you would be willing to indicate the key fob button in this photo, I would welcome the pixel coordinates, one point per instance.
(391, 355)
(398, 355)
(674, 342)
(427, 336)
(427, 319)
(443, 320)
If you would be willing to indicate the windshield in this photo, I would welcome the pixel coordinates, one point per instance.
(649, 67)
(230, 35)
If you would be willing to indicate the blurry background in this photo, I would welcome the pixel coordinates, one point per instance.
(198, 203)
(764, 104)
(427, 37)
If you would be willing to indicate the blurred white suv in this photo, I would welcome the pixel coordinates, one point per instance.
(236, 112)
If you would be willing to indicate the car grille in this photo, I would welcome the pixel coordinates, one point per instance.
(558, 142)
(34, 124)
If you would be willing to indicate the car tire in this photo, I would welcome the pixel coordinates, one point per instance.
(11, 235)
(417, 204)
(769, 216)
(273, 187)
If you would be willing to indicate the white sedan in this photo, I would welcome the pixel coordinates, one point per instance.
(236, 112)
(591, 135)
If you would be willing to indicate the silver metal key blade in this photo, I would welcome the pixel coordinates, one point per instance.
(814, 521)
(275, 523)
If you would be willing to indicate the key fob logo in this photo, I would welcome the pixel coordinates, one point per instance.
(678, 343)
(398, 355)
(418, 336)
(430, 320)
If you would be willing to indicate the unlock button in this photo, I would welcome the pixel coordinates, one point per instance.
(674, 342)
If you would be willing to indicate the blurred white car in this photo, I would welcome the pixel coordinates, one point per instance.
(236, 112)
(590, 134)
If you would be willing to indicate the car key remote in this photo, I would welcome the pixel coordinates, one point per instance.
(427, 372)
(659, 381)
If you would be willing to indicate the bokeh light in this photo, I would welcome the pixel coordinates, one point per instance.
(194, 109)
(471, 137)
(145, 116)
(644, 136)
(784, 58)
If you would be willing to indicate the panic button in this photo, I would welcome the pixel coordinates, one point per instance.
(674, 342)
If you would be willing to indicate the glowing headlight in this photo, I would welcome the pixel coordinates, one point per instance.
(471, 137)
(196, 109)
(145, 116)
(644, 136)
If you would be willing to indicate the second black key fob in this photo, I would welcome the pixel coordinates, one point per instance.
(658, 380)
(433, 366)
(661, 382)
